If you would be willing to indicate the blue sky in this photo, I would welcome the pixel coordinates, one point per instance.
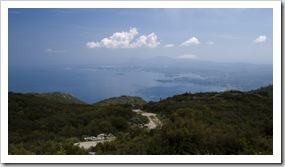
(90, 36)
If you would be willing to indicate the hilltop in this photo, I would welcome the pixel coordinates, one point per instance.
(134, 101)
(61, 97)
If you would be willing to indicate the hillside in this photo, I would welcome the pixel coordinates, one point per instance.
(135, 102)
(227, 123)
(40, 126)
(267, 90)
(61, 97)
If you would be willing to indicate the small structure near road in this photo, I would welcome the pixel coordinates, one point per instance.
(92, 141)
(99, 137)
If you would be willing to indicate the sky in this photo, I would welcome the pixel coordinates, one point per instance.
(89, 36)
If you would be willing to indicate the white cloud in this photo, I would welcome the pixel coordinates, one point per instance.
(168, 45)
(210, 43)
(126, 40)
(145, 41)
(191, 41)
(49, 50)
(261, 38)
(187, 56)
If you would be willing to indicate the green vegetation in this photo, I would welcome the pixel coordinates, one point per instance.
(267, 90)
(231, 122)
(215, 123)
(133, 101)
(139, 119)
(61, 97)
(34, 122)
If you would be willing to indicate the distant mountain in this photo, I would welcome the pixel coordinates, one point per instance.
(170, 62)
(134, 101)
(61, 97)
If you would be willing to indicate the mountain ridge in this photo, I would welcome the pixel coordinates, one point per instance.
(61, 97)
(134, 101)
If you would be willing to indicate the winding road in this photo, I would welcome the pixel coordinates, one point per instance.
(153, 123)
(153, 120)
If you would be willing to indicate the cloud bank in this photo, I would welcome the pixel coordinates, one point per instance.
(126, 40)
(261, 38)
(191, 41)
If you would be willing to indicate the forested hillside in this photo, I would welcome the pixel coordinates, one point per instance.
(41, 126)
(231, 122)
(136, 102)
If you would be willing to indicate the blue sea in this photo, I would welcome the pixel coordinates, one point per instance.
(94, 84)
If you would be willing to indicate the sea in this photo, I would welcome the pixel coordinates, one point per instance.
(95, 84)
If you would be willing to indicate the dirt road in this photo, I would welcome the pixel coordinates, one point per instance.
(153, 120)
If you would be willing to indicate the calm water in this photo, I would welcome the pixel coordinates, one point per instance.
(95, 85)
